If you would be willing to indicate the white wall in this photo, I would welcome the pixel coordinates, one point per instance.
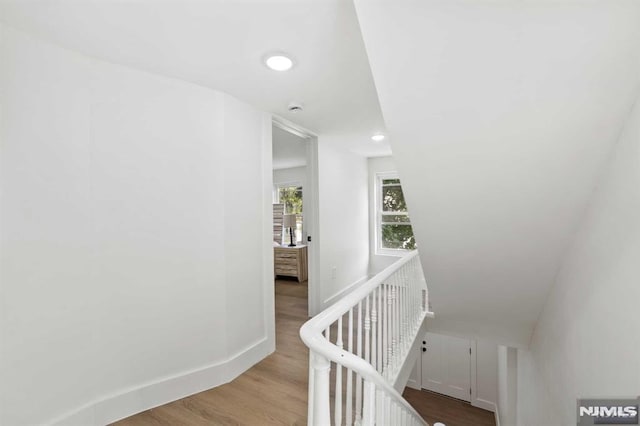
(587, 340)
(377, 262)
(344, 219)
(486, 389)
(125, 273)
(507, 385)
(293, 174)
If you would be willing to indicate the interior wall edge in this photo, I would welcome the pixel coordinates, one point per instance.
(129, 402)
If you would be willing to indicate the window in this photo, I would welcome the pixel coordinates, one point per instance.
(394, 231)
(291, 196)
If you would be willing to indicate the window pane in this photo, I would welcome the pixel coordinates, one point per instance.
(393, 218)
(398, 236)
(392, 199)
(391, 181)
(291, 197)
(299, 228)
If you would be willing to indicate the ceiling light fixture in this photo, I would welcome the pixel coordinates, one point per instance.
(278, 62)
(378, 137)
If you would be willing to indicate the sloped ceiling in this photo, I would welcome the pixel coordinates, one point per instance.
(501, 115)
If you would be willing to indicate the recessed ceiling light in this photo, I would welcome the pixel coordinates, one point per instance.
(278, 62)
(378, 137)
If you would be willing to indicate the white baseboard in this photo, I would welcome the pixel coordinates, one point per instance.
(497, 415)
(413, 384)
(340, 294)
(127, 403)
(484, 404)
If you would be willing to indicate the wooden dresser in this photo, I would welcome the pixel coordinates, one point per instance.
(291, 262)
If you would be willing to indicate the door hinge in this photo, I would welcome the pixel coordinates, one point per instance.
(469, 351)
(469, 391)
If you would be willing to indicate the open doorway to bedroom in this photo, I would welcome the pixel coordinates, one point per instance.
(295, 183)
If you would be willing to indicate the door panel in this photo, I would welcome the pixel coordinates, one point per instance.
(446, 366)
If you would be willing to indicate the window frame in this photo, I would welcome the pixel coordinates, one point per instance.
(379, 249)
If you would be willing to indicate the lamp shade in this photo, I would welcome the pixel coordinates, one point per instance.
(289, 221)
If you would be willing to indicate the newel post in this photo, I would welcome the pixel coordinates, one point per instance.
(319, 391)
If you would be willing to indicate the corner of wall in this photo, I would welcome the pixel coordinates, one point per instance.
(119, 406)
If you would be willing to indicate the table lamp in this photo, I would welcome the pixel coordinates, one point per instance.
(290, 222)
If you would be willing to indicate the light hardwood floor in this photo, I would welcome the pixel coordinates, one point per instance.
(274, 391)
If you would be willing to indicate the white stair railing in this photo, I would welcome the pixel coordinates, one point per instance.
(366, 337)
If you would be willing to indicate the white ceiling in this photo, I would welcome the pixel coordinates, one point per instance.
(289, 150)
(221, 43)
(502, 115)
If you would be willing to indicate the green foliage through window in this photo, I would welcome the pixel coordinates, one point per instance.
(395, 226)
(291, 197)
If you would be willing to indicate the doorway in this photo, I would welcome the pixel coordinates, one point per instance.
(295, 190)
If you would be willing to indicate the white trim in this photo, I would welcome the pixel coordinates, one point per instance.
(291, 127)
(287, 184)
(413, 384)
(342, 293)
(473, 360)
(496, 414)
(268, 294)
(129, 402)
(484, 404)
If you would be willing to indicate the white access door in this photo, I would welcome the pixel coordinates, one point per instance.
(446, 365)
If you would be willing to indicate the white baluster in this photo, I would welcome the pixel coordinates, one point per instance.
(349, 398)
(310, 396)
(403, 321)
(405, 308)
(394, 323)
(338, 395)
(321, 405)
(379, 406)
(367, 331)
(358, 377)
(379, 332)
(387, 410)
(374, 329)
(385, 329)
(390, 330)
(368, 409)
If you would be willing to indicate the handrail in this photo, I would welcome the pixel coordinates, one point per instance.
(322, 346)
(405, 313)
(326, 317)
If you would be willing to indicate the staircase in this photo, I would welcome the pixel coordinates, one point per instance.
(363, 348)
